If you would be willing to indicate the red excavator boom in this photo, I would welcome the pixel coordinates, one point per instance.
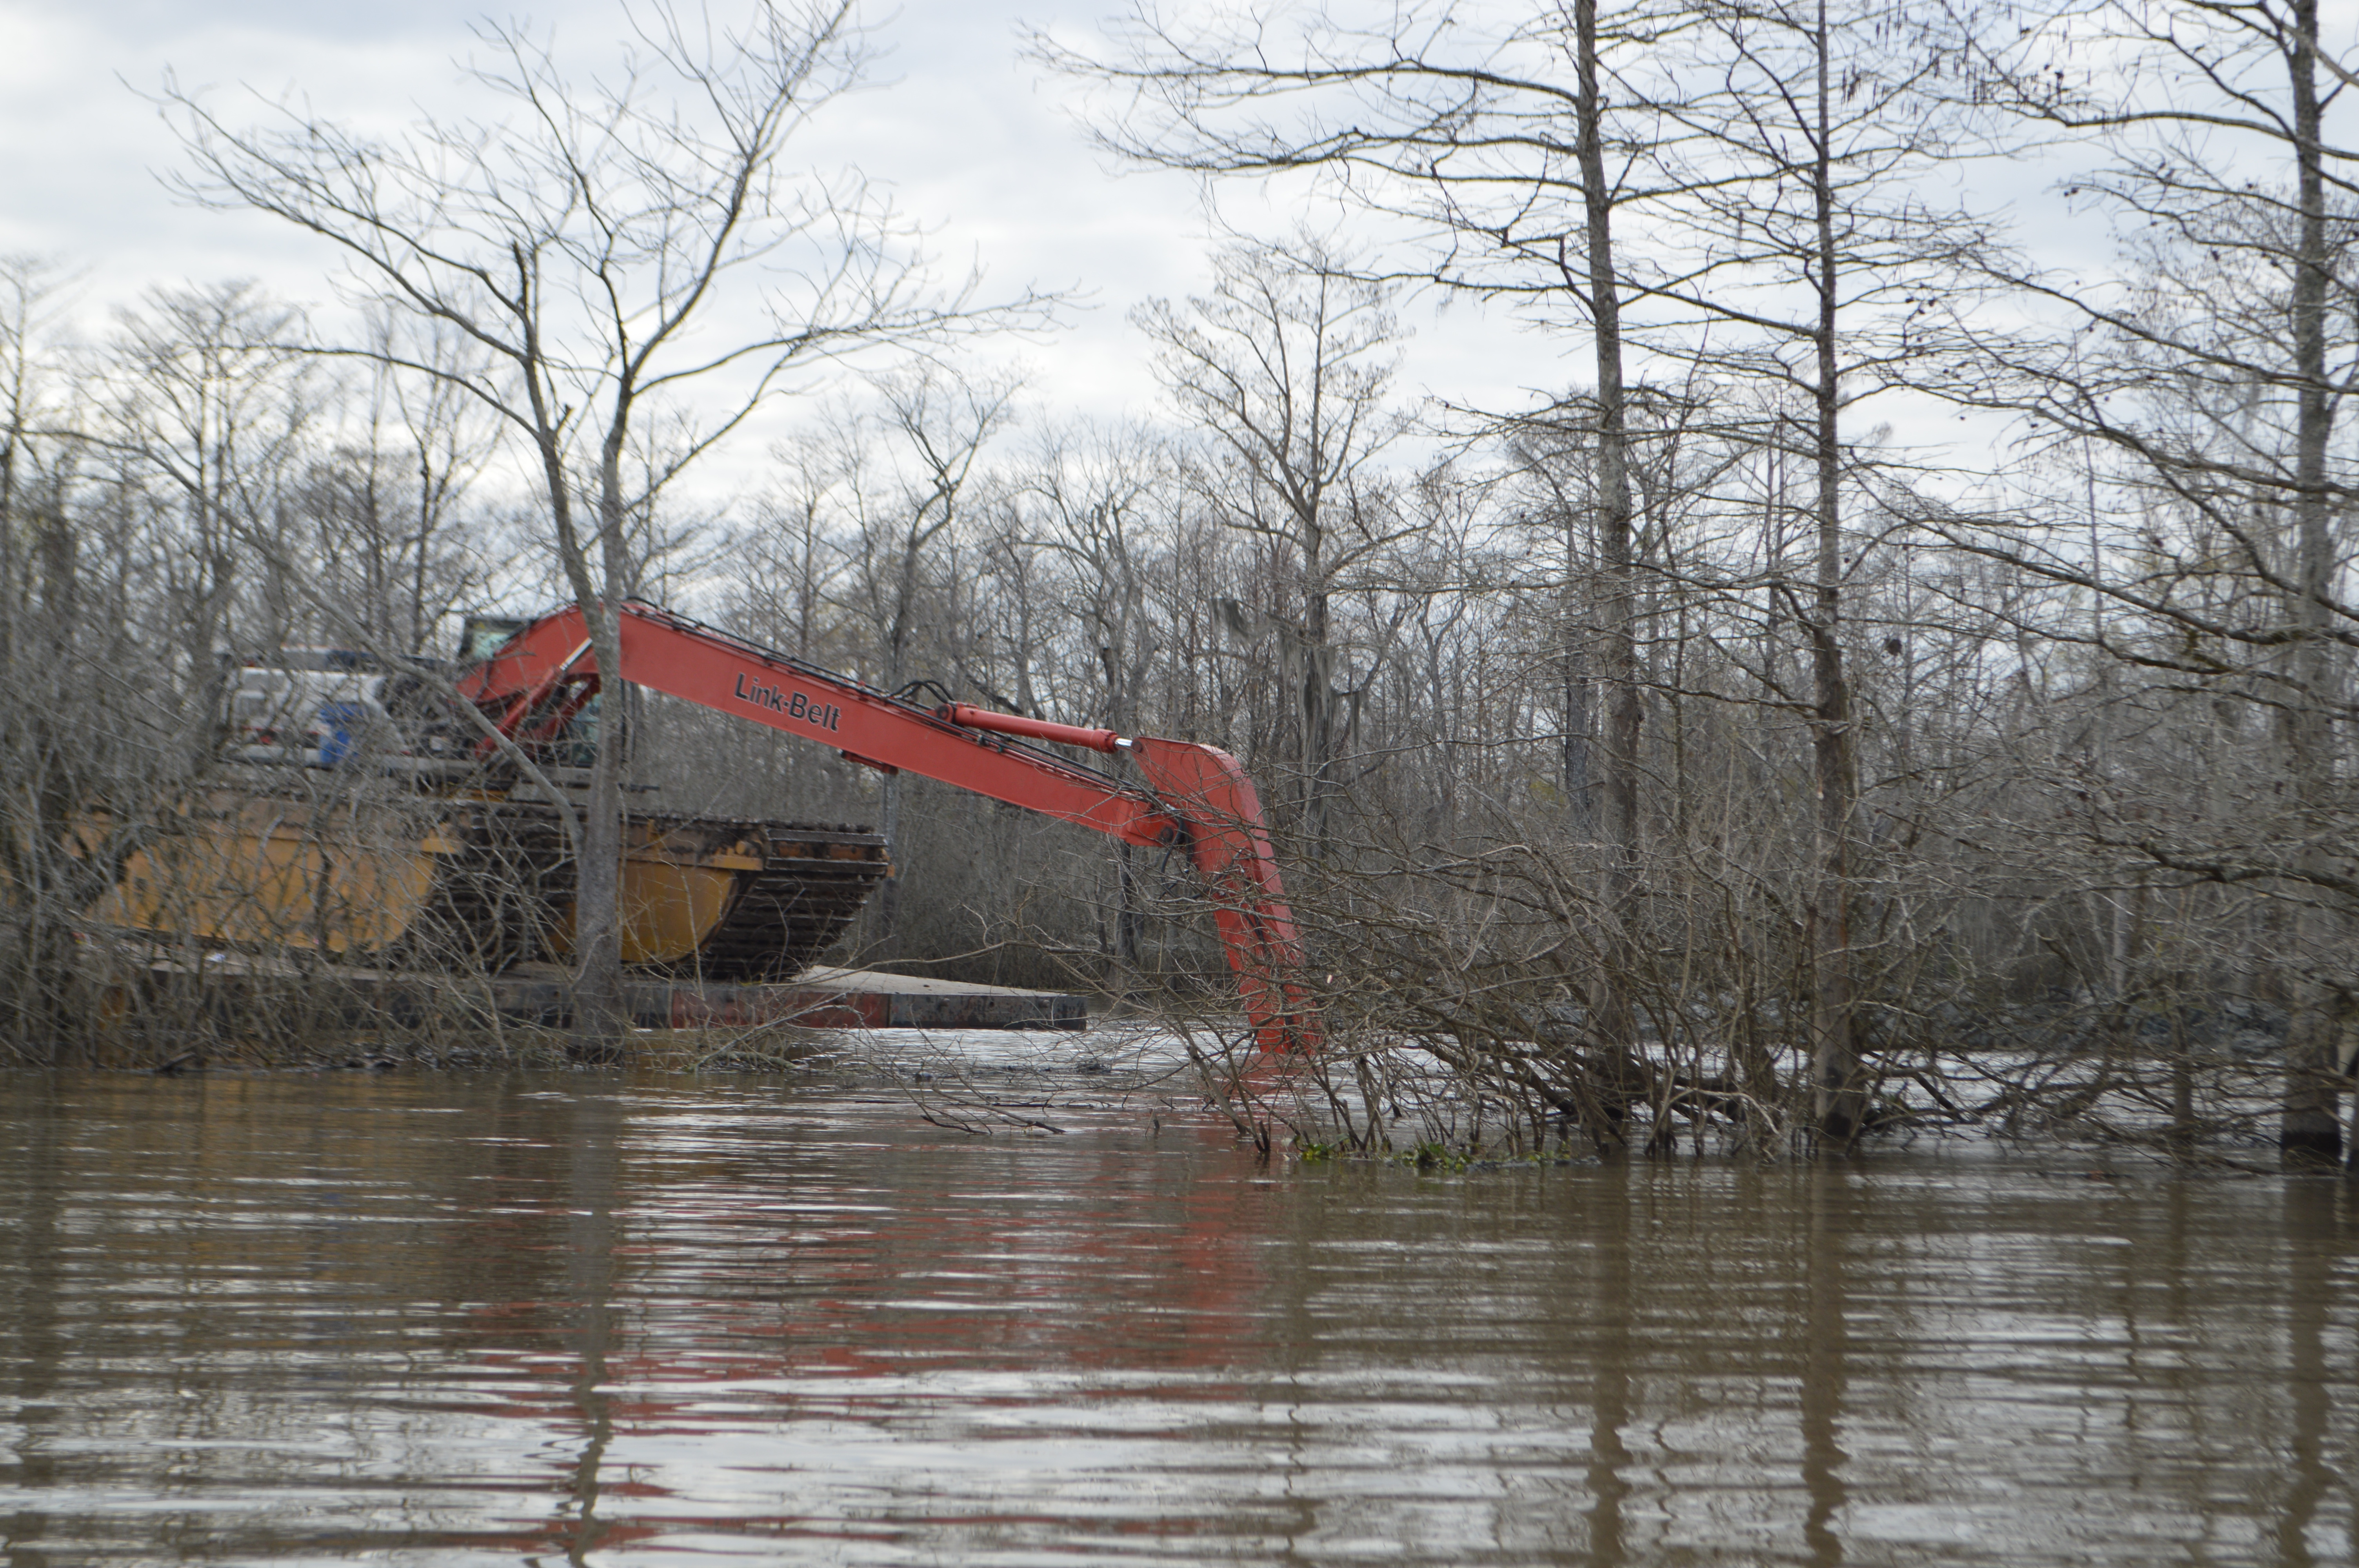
(1195, 798)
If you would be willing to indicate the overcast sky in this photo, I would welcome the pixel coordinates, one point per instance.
(977, 144)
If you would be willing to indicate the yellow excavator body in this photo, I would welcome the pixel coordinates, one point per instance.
(480, 882)
(274, 873)
(673, 897)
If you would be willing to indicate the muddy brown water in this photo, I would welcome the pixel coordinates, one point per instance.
(448, 1319)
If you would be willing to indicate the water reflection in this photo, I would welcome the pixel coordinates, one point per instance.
(545, 1320)
(1826, 1332)
(593, 1149)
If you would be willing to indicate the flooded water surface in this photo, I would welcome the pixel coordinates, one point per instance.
(448, 1319)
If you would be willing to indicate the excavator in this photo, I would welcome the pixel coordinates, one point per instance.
(437, 849)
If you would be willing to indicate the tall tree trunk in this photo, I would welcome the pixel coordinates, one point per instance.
(1311, 659)
(1122, 677)
(601, 1021)
(57, 1019)
(885, 909)
(1615, 1017)
(2309, 1128)
(1837, 1098)
(12, 445)
(1321, 741)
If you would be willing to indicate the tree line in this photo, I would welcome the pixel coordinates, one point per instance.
(1693, 752)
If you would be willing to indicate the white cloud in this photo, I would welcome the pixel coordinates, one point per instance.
(977, 146)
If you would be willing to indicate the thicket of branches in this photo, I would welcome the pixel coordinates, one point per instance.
(1683, 757)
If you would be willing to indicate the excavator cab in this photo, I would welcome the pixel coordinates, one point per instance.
(481, 636)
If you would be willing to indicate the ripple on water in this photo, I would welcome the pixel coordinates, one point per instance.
(497, 1319)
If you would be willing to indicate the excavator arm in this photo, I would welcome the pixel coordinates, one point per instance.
(1195, 798)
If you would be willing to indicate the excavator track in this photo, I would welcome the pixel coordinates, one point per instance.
(504, 866)
(782, 892)
(812, 884)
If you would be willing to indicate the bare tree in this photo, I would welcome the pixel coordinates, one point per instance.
(1284, 366)
(396, 540)
(1507, 145)
(2198, 398)
(28, 288)
(1092, 500)
(61, 748)
(583, 243)
(932, 427)
(798, 554)
(209, 390)
(1801, 252)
